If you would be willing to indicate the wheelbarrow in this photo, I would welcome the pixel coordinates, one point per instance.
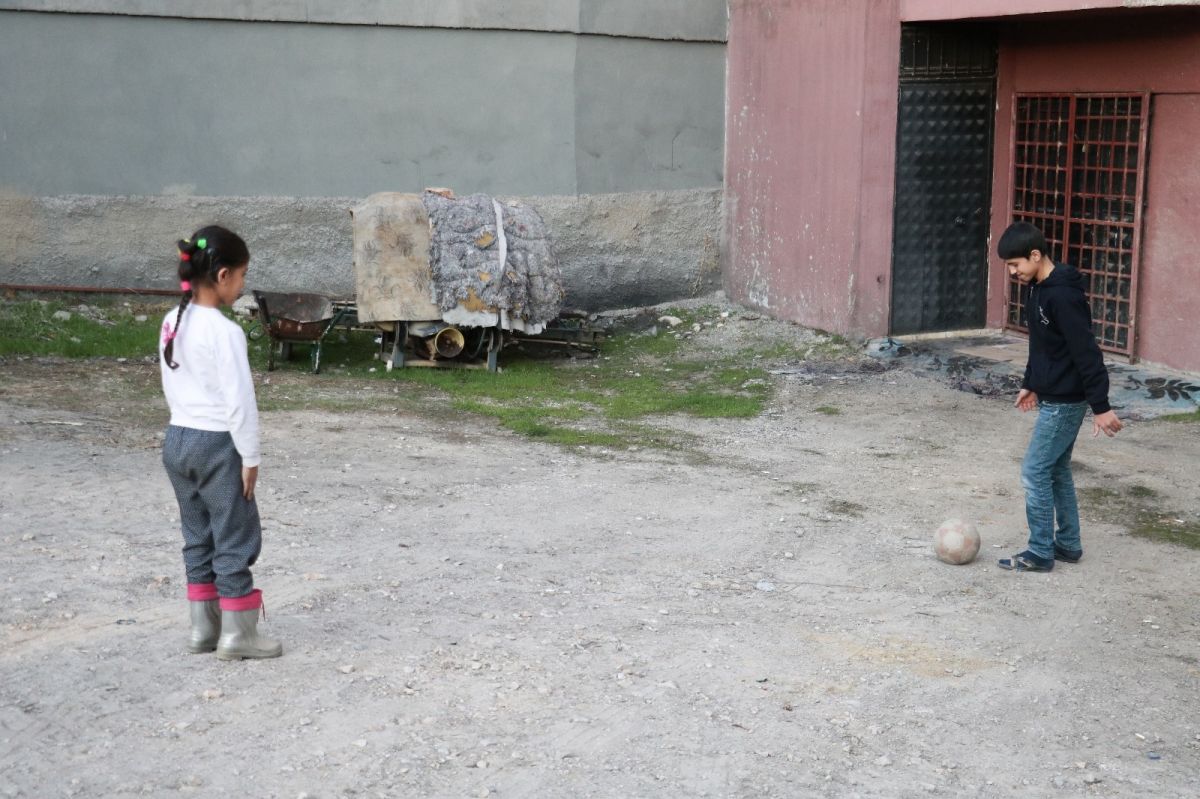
(296, 318)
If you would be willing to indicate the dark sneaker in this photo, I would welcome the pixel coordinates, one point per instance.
(1027, 562)
(1067, 555)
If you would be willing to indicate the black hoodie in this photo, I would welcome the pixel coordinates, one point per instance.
(1065, 364)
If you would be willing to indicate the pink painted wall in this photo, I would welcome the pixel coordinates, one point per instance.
(937, 10)
(1157, 52)
(1169, 301)
(810, 160)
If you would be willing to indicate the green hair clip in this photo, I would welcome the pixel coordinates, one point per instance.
(201, 243)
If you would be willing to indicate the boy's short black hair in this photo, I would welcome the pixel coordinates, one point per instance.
(1020, 240)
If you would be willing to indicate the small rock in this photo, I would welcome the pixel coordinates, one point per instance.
(141, 318)
(765, 585)
(245, 305)
(670, 321)
(211, 694)
(62, 316)
(346, 669)
(1154, 755)
(883, 761)
(1091, 778)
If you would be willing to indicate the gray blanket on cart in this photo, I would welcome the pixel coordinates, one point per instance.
(480, 265)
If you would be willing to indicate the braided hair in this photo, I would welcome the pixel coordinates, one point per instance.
(201, 257)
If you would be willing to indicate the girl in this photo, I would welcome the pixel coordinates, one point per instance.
(211, 447)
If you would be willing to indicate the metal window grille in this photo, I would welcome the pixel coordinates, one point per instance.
(947, 52)
(1079, 174)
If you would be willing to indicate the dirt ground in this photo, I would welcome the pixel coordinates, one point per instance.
(468, 613)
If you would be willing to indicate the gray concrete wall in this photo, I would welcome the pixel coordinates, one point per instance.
(690, 20)
(616, 250)
(145, 105)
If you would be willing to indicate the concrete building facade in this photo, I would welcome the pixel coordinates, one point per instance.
(344, 99)
(854, 201)
(127, 122)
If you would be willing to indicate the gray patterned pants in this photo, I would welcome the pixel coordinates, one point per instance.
(221, 532)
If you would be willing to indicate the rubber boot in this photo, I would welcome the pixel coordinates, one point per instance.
(239, 630)
(206, 617)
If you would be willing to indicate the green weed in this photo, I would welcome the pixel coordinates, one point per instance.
(1176, 418)
(118, 331)
(1132, 509)
(598, 402)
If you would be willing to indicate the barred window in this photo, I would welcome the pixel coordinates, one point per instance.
(1078, 174)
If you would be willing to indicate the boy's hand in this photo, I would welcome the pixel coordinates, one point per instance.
(1107, 422)
(250, 477)
(1026, 400)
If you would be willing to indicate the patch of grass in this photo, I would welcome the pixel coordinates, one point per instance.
(839, 507)
(607, 401)
(828, 410)
(579, 403)
(113, 331)
(1192, 416)
(1097, 495)
(800, 488)
(1131, 509)
(1166, 527)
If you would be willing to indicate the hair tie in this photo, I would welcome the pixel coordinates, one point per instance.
(185, 286)
(201, 244)
(183, 256)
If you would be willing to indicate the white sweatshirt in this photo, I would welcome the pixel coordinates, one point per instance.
(212, 388)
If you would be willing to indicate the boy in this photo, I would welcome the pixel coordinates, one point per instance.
(1064, 375)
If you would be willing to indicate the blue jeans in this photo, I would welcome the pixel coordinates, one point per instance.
(1046, 476)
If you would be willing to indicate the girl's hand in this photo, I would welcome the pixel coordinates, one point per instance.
(249, 478)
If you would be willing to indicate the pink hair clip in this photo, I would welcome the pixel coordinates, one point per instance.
(185, 286)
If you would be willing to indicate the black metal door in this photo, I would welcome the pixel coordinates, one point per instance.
(943, 179)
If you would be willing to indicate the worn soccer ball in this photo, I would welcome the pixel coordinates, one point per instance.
(956, 542)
